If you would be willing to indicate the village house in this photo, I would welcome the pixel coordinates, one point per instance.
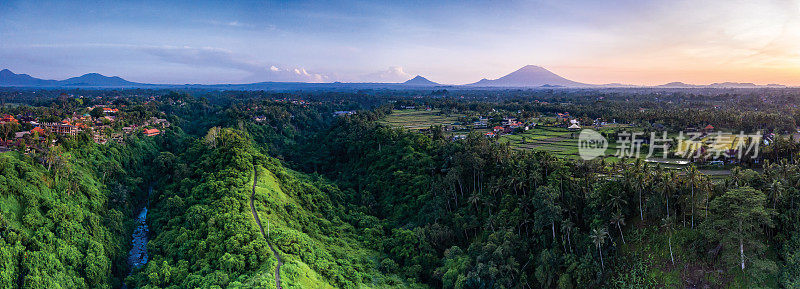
(38, 130)
(117, 137)
(21, 134)
(7, 118)
(152, 132)
(163, 123)
(575, 125)
(63, 128)
(343, 112)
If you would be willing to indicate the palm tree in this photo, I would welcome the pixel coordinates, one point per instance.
(776, 190)
(667, 196)
(474, 199)
(666, 223)
(639, 181)
(619, 220)
(598, 237)
(566, 228)
(692, 173)
(617, 201)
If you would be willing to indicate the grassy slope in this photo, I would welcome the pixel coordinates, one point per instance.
(205, 234)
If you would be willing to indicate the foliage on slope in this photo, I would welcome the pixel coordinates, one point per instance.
(205, 235)
(67, 227)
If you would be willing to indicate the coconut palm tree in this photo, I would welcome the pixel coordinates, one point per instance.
(666, 223)
(617, 201)
(619, 220)
(566, 228)
(775, 190)
(598, 237)
(692, 174)
(474, 199)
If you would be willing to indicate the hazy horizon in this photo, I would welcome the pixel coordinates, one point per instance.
(628, 42)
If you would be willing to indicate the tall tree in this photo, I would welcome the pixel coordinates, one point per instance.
(736, 219)
(598, 237)
(619, 220)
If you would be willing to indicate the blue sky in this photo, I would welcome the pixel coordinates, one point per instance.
(641, 42)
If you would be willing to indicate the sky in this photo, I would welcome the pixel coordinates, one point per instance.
(452, 42)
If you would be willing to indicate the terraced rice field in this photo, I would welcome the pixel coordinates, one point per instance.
(560, 141)
(414, 119)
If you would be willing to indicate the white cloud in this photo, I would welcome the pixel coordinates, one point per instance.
(221, 58)
(393, 74)
(230, 23)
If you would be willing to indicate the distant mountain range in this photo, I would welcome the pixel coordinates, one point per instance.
(8, 78)
(719, 85)
(527, 76)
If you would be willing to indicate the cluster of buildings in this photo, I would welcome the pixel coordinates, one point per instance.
(101, 127)
(509, 125)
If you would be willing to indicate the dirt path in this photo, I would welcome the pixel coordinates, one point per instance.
(258, 221)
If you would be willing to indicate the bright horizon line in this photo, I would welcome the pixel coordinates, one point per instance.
(412, 77)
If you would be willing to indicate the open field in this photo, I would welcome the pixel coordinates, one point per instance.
(415, 119)
(560, 141)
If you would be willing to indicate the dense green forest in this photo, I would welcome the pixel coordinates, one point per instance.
(206, 235)
(476, 214)
(64, 223)
(347, 202)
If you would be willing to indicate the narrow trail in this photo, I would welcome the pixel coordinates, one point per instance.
(258, 221)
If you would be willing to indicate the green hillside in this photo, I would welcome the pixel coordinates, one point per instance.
(207, 236)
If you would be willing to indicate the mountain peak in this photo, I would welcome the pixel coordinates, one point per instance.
(419, 80)
(96, 79)
(8, 78)
(530, 75)
(531, 67)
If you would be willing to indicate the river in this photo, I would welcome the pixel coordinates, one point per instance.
(137, 257)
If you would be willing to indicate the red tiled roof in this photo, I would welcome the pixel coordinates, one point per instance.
(8, 118)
